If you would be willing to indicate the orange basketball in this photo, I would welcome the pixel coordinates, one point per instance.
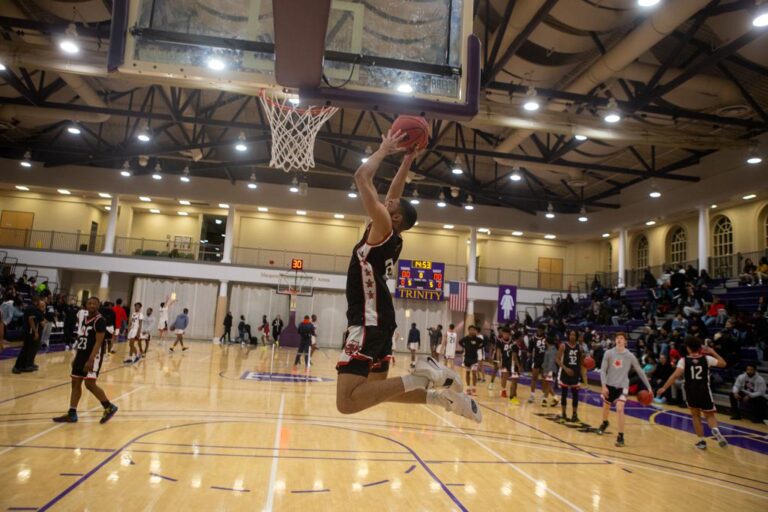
(416, 129)
(589, 363)
(645, 397)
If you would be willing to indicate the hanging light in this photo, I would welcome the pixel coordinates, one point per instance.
(531, 103)
(157, 174)
(126, 170)
(754, 156)
(252, 183)
(70, 43)
(457, 166)
(303, 188)
(515, 176)
(550, 211)
(352, 194)
(441, 202)
(655, 193)
(241, 146)
(583, 215)
(761, 15)
(216, 63)
(469, 204)
(650, 223)
(294, 188)
(27, 162)
(74, 130)
(612, 114)
(580, 138)
(144, 135)
(185, 175)
(404, 87)
(647, 3)
(415, 197)
(368, 153)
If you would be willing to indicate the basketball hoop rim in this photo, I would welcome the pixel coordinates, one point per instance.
(313, 110)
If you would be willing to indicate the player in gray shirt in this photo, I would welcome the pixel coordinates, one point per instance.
(614, 377)
(549, 367)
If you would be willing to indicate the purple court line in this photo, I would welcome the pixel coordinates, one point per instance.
(229, 489)
(600, 463)
(310, 490)
(270, 448)
(375, 483)
(104, 462)
(62, 384)
(105, 450)
(21, 508)
(164, 477)
(244, 455)
(70, 474)
(410, 469)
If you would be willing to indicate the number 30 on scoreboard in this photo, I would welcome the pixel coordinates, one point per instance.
(297, 264)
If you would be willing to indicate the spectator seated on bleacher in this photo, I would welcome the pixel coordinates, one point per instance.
(749, 395)
(748, 274)
(680, 324)
(716, 314)
(762, 270)
(648, 280)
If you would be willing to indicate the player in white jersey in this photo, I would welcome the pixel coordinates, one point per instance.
(448, 347)
(162, 314)
(146, 331)
(134, 331)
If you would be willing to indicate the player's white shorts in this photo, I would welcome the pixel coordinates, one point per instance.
(179, 331)
(144, 336)
(133, 333)
(549, 377)
(163, 326)
(450, 350)
(480, 354)
(413, 346)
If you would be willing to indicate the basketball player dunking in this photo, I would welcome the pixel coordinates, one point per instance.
(364, 361)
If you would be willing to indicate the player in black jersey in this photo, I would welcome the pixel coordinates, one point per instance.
(89, 358)
(537, 346)
(473, 347)
(364, 361)
(570, 359)
(510, 363)
(694, 368)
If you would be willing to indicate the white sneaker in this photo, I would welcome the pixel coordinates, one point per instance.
(461, 404)
(720, 437)
(438, 375)
(531, 399)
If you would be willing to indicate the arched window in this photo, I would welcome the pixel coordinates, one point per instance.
(678, 245)
(642, 252)
(722, 247)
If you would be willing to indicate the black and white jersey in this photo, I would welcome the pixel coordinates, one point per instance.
(572, 358)
(696, 377)
(369, 302)
(86, 334)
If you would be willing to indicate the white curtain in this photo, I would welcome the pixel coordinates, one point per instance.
(331, 310)
(255, 301)
(424, 314)
(197, 296)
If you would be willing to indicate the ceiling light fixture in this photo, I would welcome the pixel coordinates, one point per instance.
(145, 199)
(64, 192)
(74, 130)
(441, 202)
(184, 202)
(301, 212)
(647, 3)
(515, 176)
(550, 211)
(27, 162)
(154, 210)
(368, 153)
(108, 208)
(469, 204)
(761, 15)
(338, 216)
(22, 188)
(550, 237)
(457, 166)
(517, 233)
(655, 193)
(183, 214)
(612, 114)
(104, 195)
(404, 87)
(252, 182)
(224, 206)
(294, 188)
(70, 43)
(157, 175)
(2, 67)
(263, 209)
(415, 197)
(580, 138)
(218, 221)
(125, 172)
(216, 64)
(484, 231)
(650, 223)
(749, 196)
(294, 100)
(606, 235)
(352, 194)
(241, 146)
(713, 206)
(754, 157)
(144, 134)
(448, 226)
(583, 215)
(531, 103)
(185, 175)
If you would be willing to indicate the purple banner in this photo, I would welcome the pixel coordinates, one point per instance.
(506, 307)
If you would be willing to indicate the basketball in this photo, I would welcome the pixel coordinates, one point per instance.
(645, 397)
(589, 363)
(416, 129)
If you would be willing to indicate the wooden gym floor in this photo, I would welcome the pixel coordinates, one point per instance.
(210, 430)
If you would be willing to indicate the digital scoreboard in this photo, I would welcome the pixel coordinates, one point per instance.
(420, 279)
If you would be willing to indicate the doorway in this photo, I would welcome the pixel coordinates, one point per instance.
(94, 234)
(551, 273)
(16, 228)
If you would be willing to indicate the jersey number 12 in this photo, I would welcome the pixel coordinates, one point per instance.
(696, 372)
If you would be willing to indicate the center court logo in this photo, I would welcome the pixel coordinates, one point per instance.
(281, 377)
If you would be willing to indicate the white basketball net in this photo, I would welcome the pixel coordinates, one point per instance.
(294, 130)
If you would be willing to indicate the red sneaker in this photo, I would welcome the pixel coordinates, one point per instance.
(503, 393)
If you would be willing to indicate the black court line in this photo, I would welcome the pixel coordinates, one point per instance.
(229, 489)
(375, 483)
(310, 490)
(164, 477)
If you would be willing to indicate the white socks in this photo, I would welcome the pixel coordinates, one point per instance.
(413, 382)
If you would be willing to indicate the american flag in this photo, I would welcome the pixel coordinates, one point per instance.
(458, 298)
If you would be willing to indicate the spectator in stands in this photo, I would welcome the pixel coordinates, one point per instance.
(662, 341)
(622, 315)
(762, 270)
(660, 375)
(691, 274)
(648, 280)
(748, 274)
(716, 313)
(645, 311)
(727, 346)
(677, 284)
(749, 393)
(680, 324)
(691, 304)
(33, 320)
(704, 278)
(528, 320)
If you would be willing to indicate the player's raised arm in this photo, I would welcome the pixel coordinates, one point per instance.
(397, 185)
(381, 220)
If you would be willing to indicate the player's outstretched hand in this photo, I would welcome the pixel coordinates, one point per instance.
(390, 142)
(659, 392)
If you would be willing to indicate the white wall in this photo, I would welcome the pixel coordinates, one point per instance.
(198, 297)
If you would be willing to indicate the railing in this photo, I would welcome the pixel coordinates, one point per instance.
(167, 249)
(731, 266)
(51, 240)
(634, 276)
(574, 283)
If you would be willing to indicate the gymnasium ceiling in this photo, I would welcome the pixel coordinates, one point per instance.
(700, 90)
